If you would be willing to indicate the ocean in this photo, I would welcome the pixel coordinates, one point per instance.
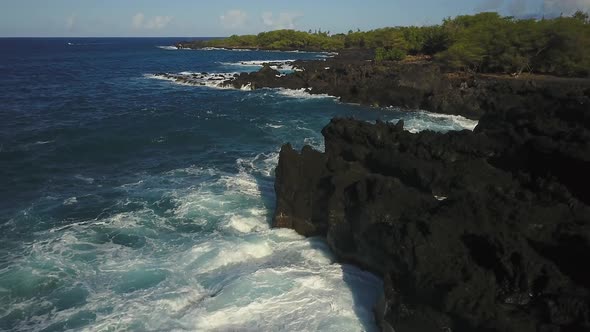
(133, 203)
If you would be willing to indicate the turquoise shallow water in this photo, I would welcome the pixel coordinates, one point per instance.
(133, 203)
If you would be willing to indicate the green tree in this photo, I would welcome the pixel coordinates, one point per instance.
(485, 42)
(394, 54)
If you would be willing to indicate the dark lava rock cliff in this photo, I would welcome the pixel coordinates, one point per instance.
(420, 85)
(472, 231)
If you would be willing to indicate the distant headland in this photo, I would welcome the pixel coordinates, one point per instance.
(483, 43)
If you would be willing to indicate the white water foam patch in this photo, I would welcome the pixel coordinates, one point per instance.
(293, 298)
(463, 122)
(274, 126)
(302, 94)
(263, 164)
(211, 80)
(224, 253)
(225, 49)
(315, 142)
(242, 183)
(229, 202)
(422, 120)
(280, 65)
(86, 179)
(168, 48)
(244, 224)
(70, 201)
(318, 54)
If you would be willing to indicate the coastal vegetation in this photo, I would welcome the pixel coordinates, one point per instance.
(392, 54)
(485, 42)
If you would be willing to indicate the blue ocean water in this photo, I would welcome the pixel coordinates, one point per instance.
(132, 203)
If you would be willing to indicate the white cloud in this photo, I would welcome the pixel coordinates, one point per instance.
(285, 20)
(233, 19)
(565, 6)
(267, 18)
(71, 22)
(140, 22)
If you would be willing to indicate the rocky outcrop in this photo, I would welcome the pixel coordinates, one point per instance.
(472, 231)
(420, 85)
(267, 77)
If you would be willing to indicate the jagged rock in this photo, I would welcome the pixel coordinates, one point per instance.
(267, 77)
(472, 231)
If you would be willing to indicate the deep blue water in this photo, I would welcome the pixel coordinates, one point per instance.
(132, 203)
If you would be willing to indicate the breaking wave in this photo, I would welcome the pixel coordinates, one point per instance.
(168, 48)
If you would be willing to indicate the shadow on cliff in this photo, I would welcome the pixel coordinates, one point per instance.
(365, 287)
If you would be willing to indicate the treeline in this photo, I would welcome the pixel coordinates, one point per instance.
(282, 40)
(485, 42)
(489, 43)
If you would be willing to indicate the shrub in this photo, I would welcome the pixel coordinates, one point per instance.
(394, 54)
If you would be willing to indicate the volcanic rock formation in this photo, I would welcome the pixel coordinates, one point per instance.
(471, 231)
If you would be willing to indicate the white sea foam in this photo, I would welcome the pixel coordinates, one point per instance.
(242, 183)
(168, 48)
(70, 201)
(268, 280)
(43, 142)
(301, 94)
(257, 63)
(280, 65)
(211, 80)
(318, 54)
(86, 179)
(315, 142)
(288, 299)
(262, 163)
(422, 120)
(460, 120)
(220, 80)
(245, 224)
(193, 170)
(225, 49)
(199, 205)
(152, 270)
(238, 253)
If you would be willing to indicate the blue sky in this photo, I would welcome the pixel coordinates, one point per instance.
(116, 18)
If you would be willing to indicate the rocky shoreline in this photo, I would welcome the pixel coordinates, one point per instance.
(417, 85)
(471, 231)
(354, 78)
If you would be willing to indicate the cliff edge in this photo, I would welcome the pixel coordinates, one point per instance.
(471, 231)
